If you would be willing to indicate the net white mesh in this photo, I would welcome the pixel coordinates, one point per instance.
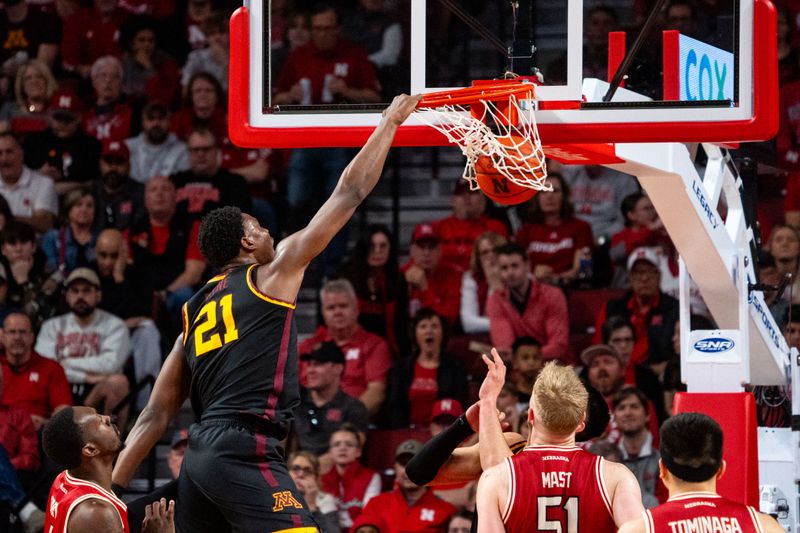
(515, 150)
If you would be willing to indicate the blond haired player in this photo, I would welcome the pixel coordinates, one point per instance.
(552, 485)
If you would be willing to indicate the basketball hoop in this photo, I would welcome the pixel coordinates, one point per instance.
(493, 124)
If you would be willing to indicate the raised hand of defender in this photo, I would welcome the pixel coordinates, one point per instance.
(495, 377)
(159, 517)
(401, 107)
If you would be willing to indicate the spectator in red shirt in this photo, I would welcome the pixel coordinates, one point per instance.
(367, 356)
(203, 108)
(164, 247)
(110, 117)
(352, 484)
(652, 312)
(91, 33)
(555, 240)
(31, 382)
(408, 507)
(527, 307)
(328, 70)
(380, 287)
(428, 374)
(431, 282)
(18, 437)
(643, 227)
(457, 233)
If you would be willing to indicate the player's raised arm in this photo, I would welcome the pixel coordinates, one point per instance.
(493, 446)
(169, 393)
(356, 182)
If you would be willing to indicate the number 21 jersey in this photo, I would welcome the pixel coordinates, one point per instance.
(241, 347)
(558, 489)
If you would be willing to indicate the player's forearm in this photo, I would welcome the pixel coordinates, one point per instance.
(147, 431)
(493, 446)
(364, 171)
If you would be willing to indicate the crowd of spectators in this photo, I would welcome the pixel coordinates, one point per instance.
(114, 144)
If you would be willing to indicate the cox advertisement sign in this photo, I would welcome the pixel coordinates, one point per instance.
(706, 72)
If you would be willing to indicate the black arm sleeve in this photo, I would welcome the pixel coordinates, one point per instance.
(424, 466)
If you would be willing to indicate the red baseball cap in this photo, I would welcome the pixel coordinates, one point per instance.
(65, 101)
(115, 149)
(424, 231)
(447, 407)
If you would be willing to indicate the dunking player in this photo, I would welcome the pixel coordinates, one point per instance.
(691, 462)
(552, 484)
(81, 500)
(237, 358)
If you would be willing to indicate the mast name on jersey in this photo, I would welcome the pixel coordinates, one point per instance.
(556, 480)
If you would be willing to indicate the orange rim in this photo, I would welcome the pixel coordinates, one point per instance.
(474, 95)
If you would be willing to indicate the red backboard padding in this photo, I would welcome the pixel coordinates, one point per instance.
(736, 414)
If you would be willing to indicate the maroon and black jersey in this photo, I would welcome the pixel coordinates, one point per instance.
(241, 347)
(701, 511)
(557, 488)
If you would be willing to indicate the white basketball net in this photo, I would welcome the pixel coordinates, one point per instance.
(519, 159)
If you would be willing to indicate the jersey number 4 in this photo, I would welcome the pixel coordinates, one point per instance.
(570, 522)
(207, 331)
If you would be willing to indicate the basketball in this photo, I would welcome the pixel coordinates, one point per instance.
(521, 155)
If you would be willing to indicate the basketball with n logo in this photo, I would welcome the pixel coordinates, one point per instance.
(520, 160)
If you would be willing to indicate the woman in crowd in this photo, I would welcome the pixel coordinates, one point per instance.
(351, 483)
(204, 107)
(380, 287)
(34, 85)
(555, 240)
(425, 376)
(304, 469)
(479, 281)
(72, 244)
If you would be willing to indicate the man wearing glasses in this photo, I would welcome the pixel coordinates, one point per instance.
(206, 185)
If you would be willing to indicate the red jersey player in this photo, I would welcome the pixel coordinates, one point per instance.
(81, 499)
(691, 463)
(552, 484)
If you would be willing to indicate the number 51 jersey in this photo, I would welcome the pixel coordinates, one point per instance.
(557, 489)
(241, 347)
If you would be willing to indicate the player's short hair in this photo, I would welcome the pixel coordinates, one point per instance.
(559, 399)
(339, 285)
(691, 446)
(220, 235)
(62, 439)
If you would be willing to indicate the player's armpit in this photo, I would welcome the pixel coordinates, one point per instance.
(624, 492)
(492, 489)
(94, 515)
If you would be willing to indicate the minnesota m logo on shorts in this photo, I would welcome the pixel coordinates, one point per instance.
(284, 499)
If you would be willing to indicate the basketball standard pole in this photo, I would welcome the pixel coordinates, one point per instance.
(749, 349)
